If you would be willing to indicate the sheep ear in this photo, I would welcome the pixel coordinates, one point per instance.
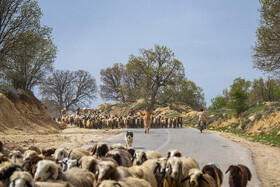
(203, 178)
(145, 157)
(168, 154)
(186, 178)
(132, 160)
(156, 168)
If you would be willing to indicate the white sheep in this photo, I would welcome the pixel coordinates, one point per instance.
(47, 169)
(60, 154)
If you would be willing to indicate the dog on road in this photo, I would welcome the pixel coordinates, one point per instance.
(128, 138)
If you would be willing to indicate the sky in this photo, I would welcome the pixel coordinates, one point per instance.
(212, 38)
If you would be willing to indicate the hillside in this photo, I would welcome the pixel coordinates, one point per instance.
(24, 113)
(260, 122)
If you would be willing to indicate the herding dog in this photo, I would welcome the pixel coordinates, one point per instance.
(128, 138)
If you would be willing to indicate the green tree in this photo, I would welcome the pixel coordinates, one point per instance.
(26, 48)
(267, 47)
(239, 94)
(159, 70)
(218, 102)
(113, 81)
(66, 89)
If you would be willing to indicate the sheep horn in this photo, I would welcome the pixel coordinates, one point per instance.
(186, 178)
(203, 178)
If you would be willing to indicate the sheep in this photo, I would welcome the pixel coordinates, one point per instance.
(6, 170)
(16, 157)
(239, 175)
(30, 164)
(143, 172)
(3, 158)
(78, 153)
(174, 173)
(122, 157)
(177, 168)
(3, 150)
(24, 179)
(28, 153)
(117, 146)
(197, 179)
(35, 149)
(60, 153)
(159, 169)
(139, 157)
(152, 154)
(127, 182)
(47, 169)
(21, 179)
(174, 152)
(100, 149)
(110, 170)
(48, 152)
(214, 171)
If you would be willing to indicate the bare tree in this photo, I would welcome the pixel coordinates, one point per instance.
(66, 89)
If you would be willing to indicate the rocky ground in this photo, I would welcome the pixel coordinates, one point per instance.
(266, 158)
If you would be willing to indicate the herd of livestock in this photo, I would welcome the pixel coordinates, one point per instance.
(88, 119)
(114, 165)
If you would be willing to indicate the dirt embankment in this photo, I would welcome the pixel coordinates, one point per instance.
(24, 114)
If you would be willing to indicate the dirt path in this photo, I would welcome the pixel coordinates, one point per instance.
(266, 159)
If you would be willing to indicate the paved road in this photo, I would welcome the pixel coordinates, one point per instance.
(204, 147)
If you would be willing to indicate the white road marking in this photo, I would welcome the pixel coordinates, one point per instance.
(166, 141)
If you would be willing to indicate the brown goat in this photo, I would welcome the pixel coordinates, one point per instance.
(122, 157)
(239, 175)
(99, 149)
(215, 172)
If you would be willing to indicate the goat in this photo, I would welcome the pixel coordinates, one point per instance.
(214, 171)
(159, 168)
(239, 175)
(197, 179)
(122, 157)
(47, 169)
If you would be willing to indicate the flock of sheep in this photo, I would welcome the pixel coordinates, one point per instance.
(88, 119)
(106, 165)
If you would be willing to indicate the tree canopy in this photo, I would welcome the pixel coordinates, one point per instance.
(66, 89)
(266, 55)
(27, 51)
(155, 75)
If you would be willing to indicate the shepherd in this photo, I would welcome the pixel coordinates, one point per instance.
(147, 119)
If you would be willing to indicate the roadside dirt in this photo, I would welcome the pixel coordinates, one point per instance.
(68, 138)
(266, 159)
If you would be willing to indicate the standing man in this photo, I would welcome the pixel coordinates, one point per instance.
(131, 112)
(202, 117)
(147, 119)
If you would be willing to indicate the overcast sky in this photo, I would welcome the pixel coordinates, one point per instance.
(212, 38)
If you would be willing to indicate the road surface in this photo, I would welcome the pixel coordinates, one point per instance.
(204, 147)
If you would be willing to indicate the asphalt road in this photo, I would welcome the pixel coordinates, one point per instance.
(204, 147)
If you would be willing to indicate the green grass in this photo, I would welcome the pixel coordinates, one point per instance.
(270, 138)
